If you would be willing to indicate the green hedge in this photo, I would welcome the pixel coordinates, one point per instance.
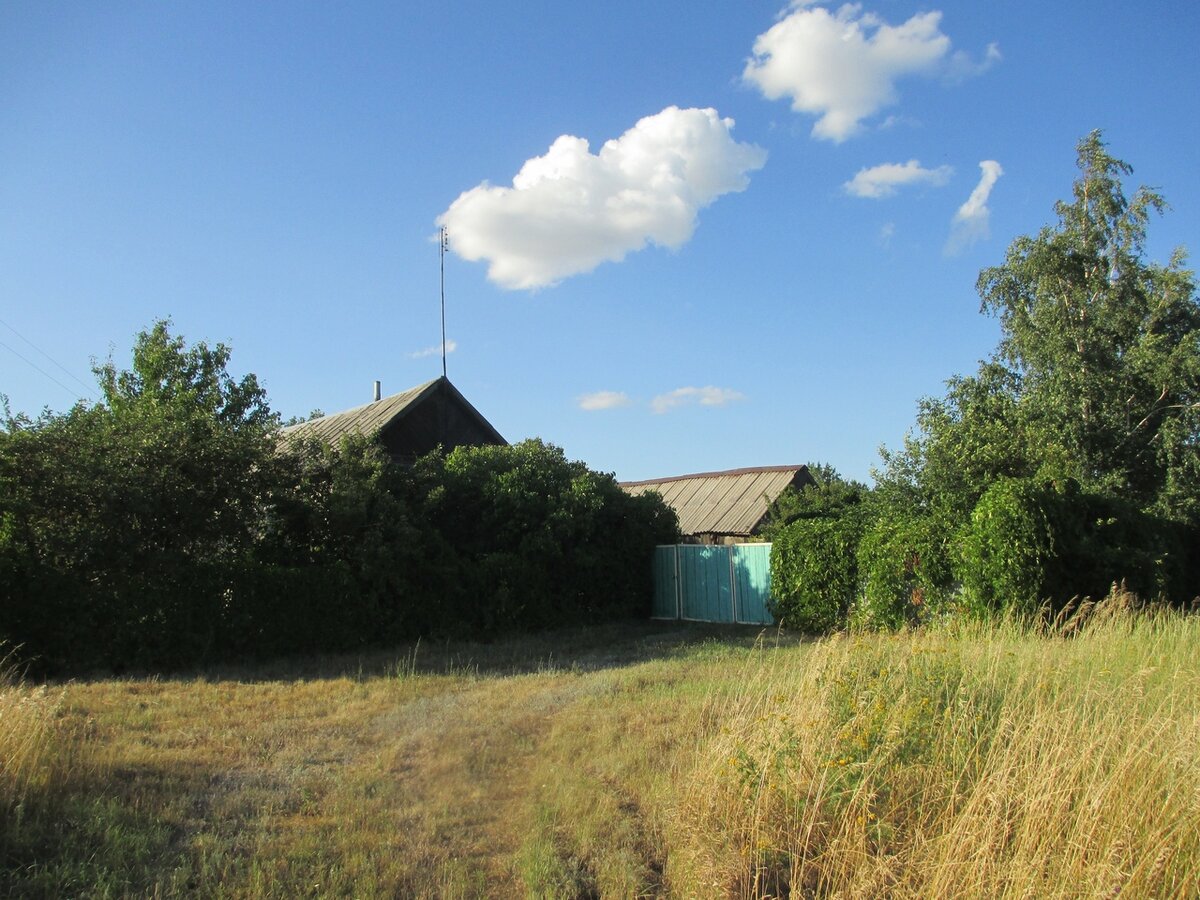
(167, 525)
(904, 573)
(99, 569)
(541, 540)
(1033, 544)
(814, 575)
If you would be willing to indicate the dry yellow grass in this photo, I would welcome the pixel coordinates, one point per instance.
(621, 762)
(28, 744)
(409, 774)
(983, 762)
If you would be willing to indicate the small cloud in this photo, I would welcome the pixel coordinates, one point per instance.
(435, 350)
(843, 66)
(705, 396)
(970, 223)
(894, 121)
(570, 210)
(961, 66)
(883, 180)
(886, 233)
(603, 400)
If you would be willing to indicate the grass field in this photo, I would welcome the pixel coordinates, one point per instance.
(640, 760)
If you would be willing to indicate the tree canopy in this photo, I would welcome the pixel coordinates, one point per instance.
(166, 525)
(1068, 463)
(1097, 374)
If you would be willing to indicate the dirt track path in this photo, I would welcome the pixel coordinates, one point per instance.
(464, 761)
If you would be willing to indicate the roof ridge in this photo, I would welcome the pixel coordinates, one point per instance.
(751, 470)
(415, 390)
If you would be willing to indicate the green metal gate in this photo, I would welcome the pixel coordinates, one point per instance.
(713, 583)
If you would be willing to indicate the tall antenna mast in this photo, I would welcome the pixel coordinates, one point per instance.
(443, 245)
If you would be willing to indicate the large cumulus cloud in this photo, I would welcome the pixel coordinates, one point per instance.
(570, 210)
(843, 66)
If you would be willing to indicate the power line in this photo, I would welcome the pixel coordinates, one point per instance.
(63, 368)
(39, 369)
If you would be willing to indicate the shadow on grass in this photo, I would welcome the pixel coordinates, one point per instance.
(97, 836)
(575, 649)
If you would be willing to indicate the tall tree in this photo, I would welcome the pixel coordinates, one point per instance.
(1104, 345)
(196, 441)
(128, 519)
(1097, 374)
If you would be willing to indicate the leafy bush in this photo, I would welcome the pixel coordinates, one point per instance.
(1008, 549)
(903, 571)
(350, 508)
(166, 526)
(542, 540)
(122, 521)
(814, 573)
(827, 495)
(1034, 543)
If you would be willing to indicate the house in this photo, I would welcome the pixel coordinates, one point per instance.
(409, 424)
(723, 507)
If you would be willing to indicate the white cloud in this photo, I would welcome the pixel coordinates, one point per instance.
(883, 180)
(970, 223)
(705, 396)
(962, 67)
(570, 210)
(894, 121)
(886, 233)
(603, 400)
(435, 350)
(843, 66)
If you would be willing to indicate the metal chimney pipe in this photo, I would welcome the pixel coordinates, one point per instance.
(377, 394)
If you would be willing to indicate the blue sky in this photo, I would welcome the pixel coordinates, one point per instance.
(765, 253)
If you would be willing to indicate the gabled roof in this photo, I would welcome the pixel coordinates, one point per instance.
(731, 503)
(367, 419)
(383, 414)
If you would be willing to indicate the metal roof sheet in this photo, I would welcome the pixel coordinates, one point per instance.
(368, 419)
(732, 502)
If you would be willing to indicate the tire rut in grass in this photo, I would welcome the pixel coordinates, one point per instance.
(465, 764)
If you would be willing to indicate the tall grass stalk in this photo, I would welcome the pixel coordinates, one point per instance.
(986, 760)
(28, 731)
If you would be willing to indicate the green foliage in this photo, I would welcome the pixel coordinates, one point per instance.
(966, 441)
(903, 568)
(341, 561)
(1009, 548)
(185, 384)
(1061, 463)
(1097, 374)
(1032, 543)
(166, 526)
(829, 495)
(814, 574)
(1106, 345)
(543, 540)
(122, 520)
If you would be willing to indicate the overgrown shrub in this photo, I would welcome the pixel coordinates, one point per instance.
(122, 520)
(1032, 543)
(904, 572)
(814, 573)
(350, 519)
(827, 496)
(542, 540)
(1008, 549)
(166, 526)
